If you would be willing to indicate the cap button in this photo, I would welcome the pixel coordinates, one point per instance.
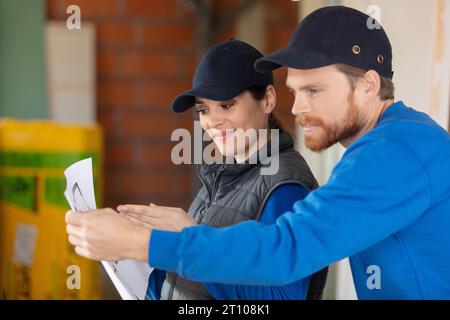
(356, 49)
(380, 58)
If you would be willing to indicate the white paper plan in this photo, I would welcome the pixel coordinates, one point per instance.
(130, 277)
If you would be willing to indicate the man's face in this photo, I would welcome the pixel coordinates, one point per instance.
(324, 106)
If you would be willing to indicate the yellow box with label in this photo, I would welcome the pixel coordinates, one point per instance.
(36, 259)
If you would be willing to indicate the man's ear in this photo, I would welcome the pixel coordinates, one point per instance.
(270, 99)
(372, 83)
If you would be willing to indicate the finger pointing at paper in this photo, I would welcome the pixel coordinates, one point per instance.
(157, 217)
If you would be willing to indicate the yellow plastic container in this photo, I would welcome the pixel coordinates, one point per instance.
(36, 260)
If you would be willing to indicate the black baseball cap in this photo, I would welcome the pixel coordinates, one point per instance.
(331, 35)
(224, 72)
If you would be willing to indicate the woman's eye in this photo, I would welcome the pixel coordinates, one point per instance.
(227, 105)
(201, 109)
(314, 91)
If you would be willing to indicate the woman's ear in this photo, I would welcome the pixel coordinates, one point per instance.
(270, 99)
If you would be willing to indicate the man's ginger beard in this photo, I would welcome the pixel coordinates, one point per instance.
(327, 135)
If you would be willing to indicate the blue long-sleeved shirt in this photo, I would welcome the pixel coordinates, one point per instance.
(279, 201)
(386, 206)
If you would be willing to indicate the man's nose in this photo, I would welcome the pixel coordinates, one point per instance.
(300, 106)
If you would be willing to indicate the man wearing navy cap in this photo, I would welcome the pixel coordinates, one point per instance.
(386, 205)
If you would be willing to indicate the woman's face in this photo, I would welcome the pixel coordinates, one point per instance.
(222, 120)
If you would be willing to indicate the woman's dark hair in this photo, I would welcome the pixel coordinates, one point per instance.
(258, 93)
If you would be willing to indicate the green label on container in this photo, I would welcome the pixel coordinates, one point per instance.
(25, 159)
(54, 191)
(54, 188)
(19, 190)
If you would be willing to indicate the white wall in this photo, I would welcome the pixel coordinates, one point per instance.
(71, 71)
(419, 31)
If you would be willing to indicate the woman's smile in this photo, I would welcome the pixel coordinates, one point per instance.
(223, 134)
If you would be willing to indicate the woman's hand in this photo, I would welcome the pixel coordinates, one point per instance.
(104, 234)
(157, 217)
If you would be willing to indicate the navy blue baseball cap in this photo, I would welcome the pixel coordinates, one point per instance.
(225, 71)
(331, 35)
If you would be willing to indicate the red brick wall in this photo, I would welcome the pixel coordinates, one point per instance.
(145, 57)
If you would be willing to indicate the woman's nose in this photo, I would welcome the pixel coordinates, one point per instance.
(215, 119)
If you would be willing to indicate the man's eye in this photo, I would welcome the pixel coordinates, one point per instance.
(292, 91)
(313, 91)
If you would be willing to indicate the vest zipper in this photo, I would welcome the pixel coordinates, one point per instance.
(215, 187)
(211, 193)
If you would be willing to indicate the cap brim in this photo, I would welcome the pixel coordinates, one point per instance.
(292, 57)
(219, 91)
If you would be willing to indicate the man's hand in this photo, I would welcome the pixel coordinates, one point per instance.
(103, 234)
(157, 217)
